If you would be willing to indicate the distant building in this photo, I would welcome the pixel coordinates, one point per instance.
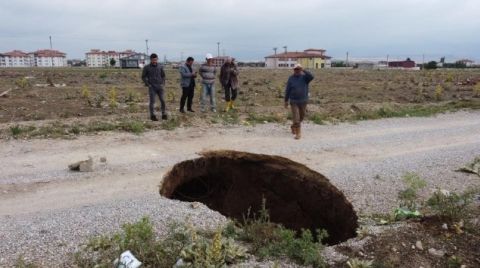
(219, 61)
(467, 62)
(365, 65)
(48, 58)
(408, 63)
(15, 58)
(96, 58)
(39, 58)
(136, 60)
(309, 58)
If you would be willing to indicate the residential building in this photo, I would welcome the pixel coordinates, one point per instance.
(408, 63)
(136, 60)
(219, 61)
(467, 62)
(15, 58)
(309, 58)
(48, 58)
(96, 58)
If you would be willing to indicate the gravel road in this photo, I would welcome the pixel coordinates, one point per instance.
(46, 211)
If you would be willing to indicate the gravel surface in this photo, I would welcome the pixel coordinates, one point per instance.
(46, 211)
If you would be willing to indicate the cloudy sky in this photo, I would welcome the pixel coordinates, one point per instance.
(247, 29)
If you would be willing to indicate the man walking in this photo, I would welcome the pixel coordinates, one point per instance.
(207, 72)
(297, 93)
(153, 76)
(187, 82)
(229, 81)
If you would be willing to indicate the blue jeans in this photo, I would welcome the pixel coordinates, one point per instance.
(152, 93)
(208, 90)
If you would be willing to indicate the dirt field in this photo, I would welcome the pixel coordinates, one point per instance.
(338, 94)
(46, 211)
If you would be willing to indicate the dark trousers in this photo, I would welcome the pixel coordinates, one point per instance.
(230, 93)
(187, 95)
(152, 93)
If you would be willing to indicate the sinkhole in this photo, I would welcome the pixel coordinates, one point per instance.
(233, 182)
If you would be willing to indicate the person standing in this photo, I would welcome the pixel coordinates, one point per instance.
(296, 92)
(229, 81)
(187, 82)
(207, 72)
(153, 76)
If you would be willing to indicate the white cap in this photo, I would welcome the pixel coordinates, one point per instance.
(297, 66)
(209, 56)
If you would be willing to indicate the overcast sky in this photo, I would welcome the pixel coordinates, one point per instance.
(247, 30)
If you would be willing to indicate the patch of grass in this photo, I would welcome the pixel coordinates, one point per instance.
(17, 130)
(409, 196)
(255, 118)
(134, 126)
(439, 92)
(273, 240)
(112, 98)
(318, 118)
(103, 75)
(172, 123)
(357, 263)
(450, 205)
(195, 249)
(23, 83)
(22, 263)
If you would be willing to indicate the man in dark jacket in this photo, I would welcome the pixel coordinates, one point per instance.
(153, 76)
(229, 81)
(187, 82)
(297, 93)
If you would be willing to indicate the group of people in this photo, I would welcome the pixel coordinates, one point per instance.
(153, 75)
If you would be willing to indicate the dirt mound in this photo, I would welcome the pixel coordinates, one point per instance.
(231, 182)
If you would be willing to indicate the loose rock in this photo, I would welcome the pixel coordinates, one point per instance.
(436, 253)
(82, 166)
(419, 245)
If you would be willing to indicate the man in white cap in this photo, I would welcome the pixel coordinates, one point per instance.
(207, 72)
(296, 93)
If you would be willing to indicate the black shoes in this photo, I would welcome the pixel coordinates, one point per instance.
(182, 111)
(190, 110)
(164, 117)
(153, 118)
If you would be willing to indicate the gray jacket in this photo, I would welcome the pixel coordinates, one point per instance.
(208, 74)
(185, 75)
(153, 76)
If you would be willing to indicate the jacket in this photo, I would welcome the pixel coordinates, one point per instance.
(296, 90)
(185, 75)
(153, 76)
(229, 75)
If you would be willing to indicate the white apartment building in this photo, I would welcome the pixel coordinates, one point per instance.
(15, 58)
(39, 58)
(48, 58)
(96, 58)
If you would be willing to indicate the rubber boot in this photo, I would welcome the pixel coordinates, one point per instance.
(298, 133)
(231, 105)
(227, 106)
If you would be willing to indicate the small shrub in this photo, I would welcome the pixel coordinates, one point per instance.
(273, 240)
(476, 90)
(357, 263)
(112, 98)
(454, 262)
(85, 92)
(23, 83)
(318, 118)
(171, 124)
(408, 197)
(102, 76)
(439, 92)
(451, 206)
(135, 127)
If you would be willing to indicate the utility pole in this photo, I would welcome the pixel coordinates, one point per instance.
(51, 50)
(275, 65)
(346, 63)
(387, 60)
(275, 50)
(146, 45)
(423, 59)
(285, 47)
(218, 49)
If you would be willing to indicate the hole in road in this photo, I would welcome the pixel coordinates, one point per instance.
(231, 182)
